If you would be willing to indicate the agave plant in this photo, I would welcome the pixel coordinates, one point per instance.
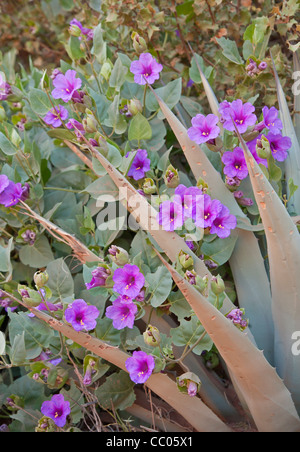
(228, 220)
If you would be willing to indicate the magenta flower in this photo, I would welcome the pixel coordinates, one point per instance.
(140, 366)
(188, 197)
(74, 124)
(237, 112)
(122, 312)
(81, 315)
(204, 128)
(57, 409)
(270, 121)
(10, 193)
(207, 211)
(235, 164)
(146, 69)
(56, 115)
(140, 165)
(279, 145)
(128, 280)
(170, 215)
(99, 277)
(223, 223)
(66, 85)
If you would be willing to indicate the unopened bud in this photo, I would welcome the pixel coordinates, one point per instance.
(139, 43)
(217, 285)
(149, 186)
(263, 148)
(171, 177)
(185, 259)
(118, 255)
(188, 383)
(40, 279)
(152, 336)
(74, 30)
(134, 107)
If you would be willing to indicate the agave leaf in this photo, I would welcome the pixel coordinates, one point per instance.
(212, 391)
(246, 258)
(292, 162)
(82, 253)
(297, 95)
(283, 242)
(192, 409)
(269, 401)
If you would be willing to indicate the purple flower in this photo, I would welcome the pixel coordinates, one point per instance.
(270, 121)
(10, 193)
(128, 280)
(235, 164)
(46, 306)
(189, 198)
(56, 115)
(66, 85)
(29, 236)
(140, 366)
(99, 277)
(140, 165)
(5, 89)
(262, 66)
(25, 192)
(57, 409)
(81, 315)
(207, 211)
(122, 312)
(223, 223)
(204, 128)
(145, 69)
(279, 145)
(74, 124)
(170, 215)
(237, 112)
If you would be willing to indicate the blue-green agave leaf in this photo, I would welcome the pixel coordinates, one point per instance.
(292, 162)
(267, 398)
(283, 243)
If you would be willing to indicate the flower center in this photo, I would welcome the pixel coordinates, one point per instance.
(239, 121)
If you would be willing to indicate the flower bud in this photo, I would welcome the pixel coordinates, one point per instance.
(90, 123)
(139, 43)
(118, 255)
(152, 336)
(217, 285)
(74, 30)
(106, 70)
(188, 383)
(263, 148)
(40, 279)
(185, 259)
(134, 107)
(171, 177)
(149, 186)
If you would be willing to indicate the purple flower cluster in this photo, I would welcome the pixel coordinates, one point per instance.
(253, 69)
(11, 193)
(128, 283)
(206, 212)
(236, 316)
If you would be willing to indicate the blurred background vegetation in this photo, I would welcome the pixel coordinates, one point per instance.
(33, 32)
